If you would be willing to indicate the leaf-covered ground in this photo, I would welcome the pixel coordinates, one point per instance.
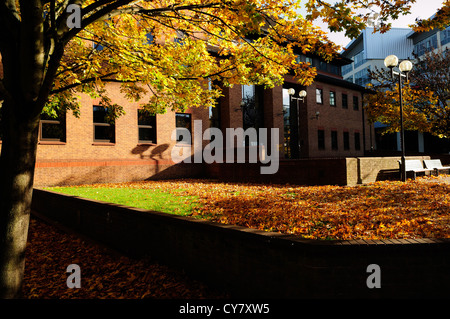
(104, 274)
(382, 210)
(416, 209)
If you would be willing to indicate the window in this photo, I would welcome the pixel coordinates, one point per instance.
(344, 101)
(309, 60)
(349, 79)
(323, 66)
(347, 68)
(357, 141)
(150, 38)
(332, 98)
(359, 59)
(319, 96)
(426, 45)
(346, 141)
(104, 129)
(287, 122)
(248, 94)
(214, 112)
(214, 116)
(355, 103)
(321, 139)
(146, 127)
(97, 46)
(52, 128)
(445, 36)
(183, 126)
(334, 140)
(362, 77)
(252, 109)
(334, 69)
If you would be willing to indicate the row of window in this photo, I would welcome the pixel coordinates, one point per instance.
(333, 99)
(358, 60)
(426, 45)
(104, 129)
(445, 36)
(431, 42)
(320, 64)
(334, 140)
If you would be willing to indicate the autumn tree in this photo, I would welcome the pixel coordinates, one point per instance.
(431, 72)
(45, 63)
(440, 20)
(426, 96)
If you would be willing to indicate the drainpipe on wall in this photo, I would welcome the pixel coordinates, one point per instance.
(364, 123)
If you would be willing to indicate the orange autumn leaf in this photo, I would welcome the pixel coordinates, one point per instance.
(382, 210)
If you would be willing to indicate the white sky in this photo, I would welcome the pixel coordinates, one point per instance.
(421, 9)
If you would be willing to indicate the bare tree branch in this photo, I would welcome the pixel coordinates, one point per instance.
(85, 81)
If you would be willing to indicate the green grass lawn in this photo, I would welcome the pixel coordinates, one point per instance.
(141, 198)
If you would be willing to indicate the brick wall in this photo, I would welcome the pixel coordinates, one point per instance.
(81, 160)
(60, 173)
(334, 118)
(80, 141)
(320, 171)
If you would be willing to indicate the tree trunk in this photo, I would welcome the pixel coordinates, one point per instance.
(17, 162)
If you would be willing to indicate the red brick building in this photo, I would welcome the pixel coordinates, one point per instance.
(328, 122)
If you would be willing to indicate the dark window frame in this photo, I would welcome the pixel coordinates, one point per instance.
(334, 140)
(355, 103)
(344, 101)
(321, 139)
(357, 138)
(189, 128)
(319, 93)
(104, 123)
(152, 126)
(332, 100)
(346, 138)
(59, 121)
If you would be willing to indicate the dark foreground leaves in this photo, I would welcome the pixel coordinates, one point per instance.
(104, 274)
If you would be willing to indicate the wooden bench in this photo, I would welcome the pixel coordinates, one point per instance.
(415, 166)
(436, 165)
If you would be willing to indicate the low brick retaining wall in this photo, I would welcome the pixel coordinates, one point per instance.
(317, 171)
(321, 171)
(255, 264)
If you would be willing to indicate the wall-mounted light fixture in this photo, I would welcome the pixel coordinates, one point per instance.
(316, 116)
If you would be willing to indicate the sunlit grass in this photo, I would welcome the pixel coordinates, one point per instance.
(140, 198)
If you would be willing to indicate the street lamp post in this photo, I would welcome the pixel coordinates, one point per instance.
(302, 95)
(405, 67)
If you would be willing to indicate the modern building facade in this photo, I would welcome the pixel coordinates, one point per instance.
(368, 52)
(429, 41)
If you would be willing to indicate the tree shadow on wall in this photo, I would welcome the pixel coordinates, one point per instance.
(156, 153)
